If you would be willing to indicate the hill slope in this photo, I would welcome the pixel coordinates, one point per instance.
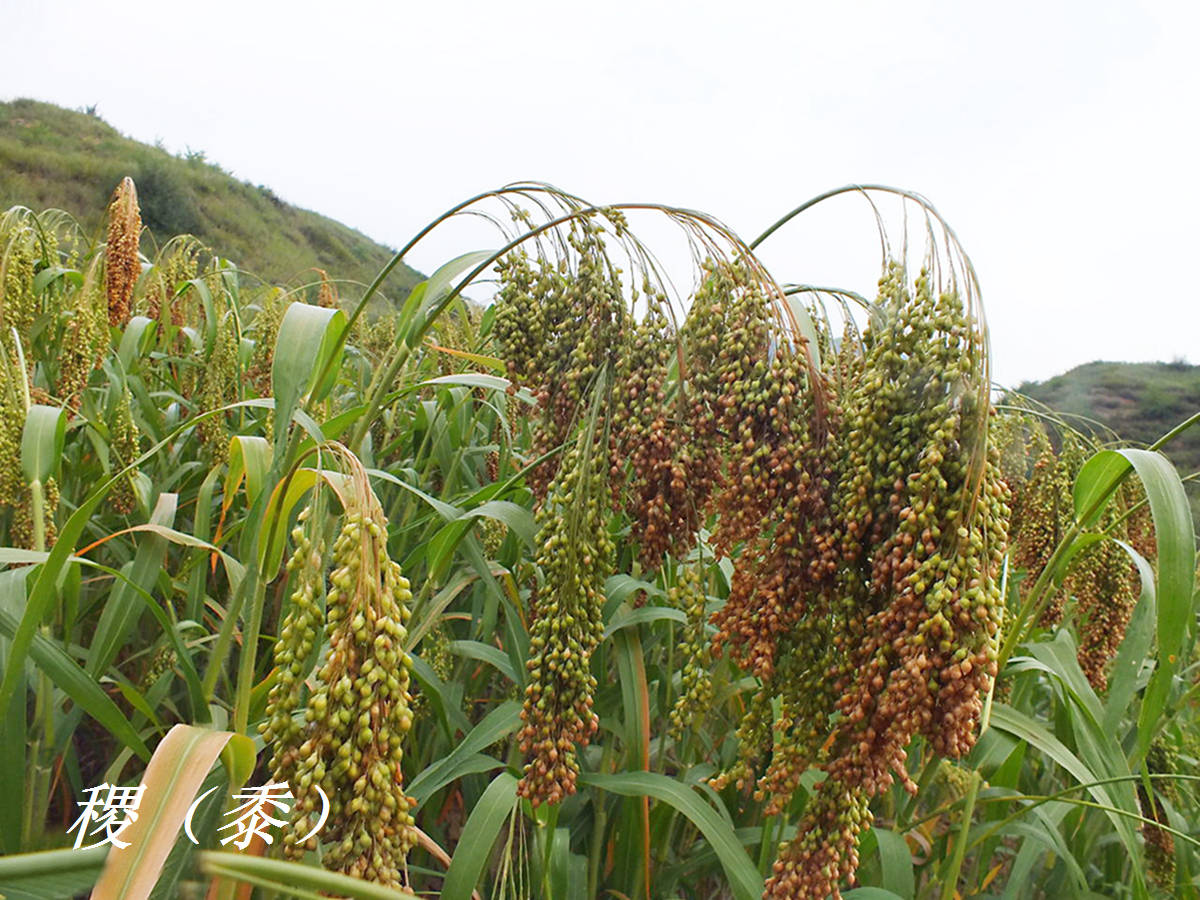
(52, 157)
(1139, 401)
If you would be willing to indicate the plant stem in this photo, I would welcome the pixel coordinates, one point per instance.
(950, 882)
(253, 581)
(767, 846)
(600, 820)
(546, 829)
(38, 508)
(42, 747)
(246, 662)
(928, 770)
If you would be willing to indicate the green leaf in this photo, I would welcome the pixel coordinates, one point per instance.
(438, 284)
(52, 874)
(493, 656)
(249, 461)
(293, 878)
(518, 518)
(635, 698)
(1047, 834)
(284, 498)
(205, 822)
(632, 828)
(478, 836)
(805, 324)
(445, 510)
(895, 860)
(499, 723)
(1135, 648)
(77, 684)
(51, 572)
(170, 630)
(408, 312)
(200, 286)
(1173, 529)
(16, 556)
(51, 274)
(42, 442)
(1096, 481)
(13, 726)
(1026, 729)
(488, 362)
(620, 587)
(124, 607)
(138, 333)
(239, 757)
(743, 877)
(472, 379)
(305, 346)
(568, 871)
(450, 716)
(1175, 544)
(1176, 550)
(1098, 749)
(628, 618)
(234, 569)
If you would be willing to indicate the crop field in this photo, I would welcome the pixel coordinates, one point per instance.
(589, 582)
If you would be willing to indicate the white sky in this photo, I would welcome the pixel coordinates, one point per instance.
(1059, 139)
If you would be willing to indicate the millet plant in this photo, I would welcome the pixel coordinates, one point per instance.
(615, 579)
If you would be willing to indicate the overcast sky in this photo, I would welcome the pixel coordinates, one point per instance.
(1059, 139)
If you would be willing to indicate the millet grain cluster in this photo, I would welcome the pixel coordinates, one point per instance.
(864, 516)
(1102, 585)
(923, 529)
(356, 717)
(122, 264)
(575, 558)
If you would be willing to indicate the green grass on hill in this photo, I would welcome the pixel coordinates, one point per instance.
(52, 157)
(1139, 401)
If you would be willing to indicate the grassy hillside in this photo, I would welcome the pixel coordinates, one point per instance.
(54, 157)
(1139, 401)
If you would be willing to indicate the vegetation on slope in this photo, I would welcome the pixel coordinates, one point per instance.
(57, 158)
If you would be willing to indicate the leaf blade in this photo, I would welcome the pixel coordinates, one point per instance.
(178, 767)
(743, 877)
(478, 835)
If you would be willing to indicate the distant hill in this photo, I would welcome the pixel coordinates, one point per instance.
(52, 157)
(1139, 401)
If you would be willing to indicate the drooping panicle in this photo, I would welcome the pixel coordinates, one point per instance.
(575, 558)
(359, 709)
(919, 601)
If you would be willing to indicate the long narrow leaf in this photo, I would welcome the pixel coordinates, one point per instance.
(1135, 648)
(73, 681)
(51, 572)
(478, 837)
(743, 877)
(292, 877)
(123, 607)
(51, 874)
(42, 442)
(1026, 729)
(895, 860)
(499, 723)
(179, 765)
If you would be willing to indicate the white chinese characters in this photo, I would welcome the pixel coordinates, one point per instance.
(110, 809)
(110, 813)
(255, 814)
